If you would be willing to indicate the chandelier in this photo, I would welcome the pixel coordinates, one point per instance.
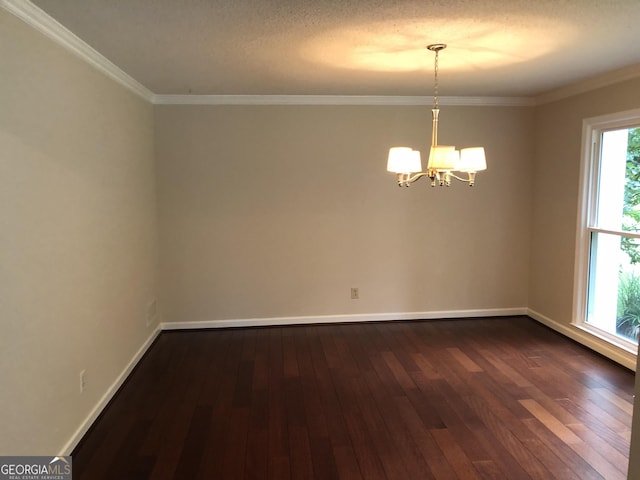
(444, 160)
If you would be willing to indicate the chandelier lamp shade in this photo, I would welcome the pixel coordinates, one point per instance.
(445, 161)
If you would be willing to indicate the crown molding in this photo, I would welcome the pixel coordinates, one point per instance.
(36, 18)
(593, 83)
(338, 100)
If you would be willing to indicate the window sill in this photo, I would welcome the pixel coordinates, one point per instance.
(612, 340)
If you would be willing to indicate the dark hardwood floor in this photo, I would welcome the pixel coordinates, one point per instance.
(499, 398)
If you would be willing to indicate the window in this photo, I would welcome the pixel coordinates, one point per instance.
(607, 296)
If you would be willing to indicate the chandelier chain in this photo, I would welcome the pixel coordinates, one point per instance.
(435, 86)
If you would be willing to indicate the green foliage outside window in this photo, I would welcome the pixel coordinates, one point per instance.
(628, 314)
(630, 210)
(628, 317)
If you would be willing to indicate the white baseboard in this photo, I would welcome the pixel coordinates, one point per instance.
(361, 317)
(617, 354)
(106, 398)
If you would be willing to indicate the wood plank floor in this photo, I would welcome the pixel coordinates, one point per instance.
(499, 398)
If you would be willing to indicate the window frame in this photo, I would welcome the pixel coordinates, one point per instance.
(592, 130)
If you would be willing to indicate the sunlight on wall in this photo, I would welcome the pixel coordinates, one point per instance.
(399, 45)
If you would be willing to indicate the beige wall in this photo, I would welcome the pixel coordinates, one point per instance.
(77, 237)
(276, 211)
(555, 192)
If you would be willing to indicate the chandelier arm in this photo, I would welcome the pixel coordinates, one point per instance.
(441, 178)
(404, 180)
(458, 178)
(418, 176)
(471, 180)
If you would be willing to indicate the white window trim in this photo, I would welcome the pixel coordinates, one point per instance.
(591, 131)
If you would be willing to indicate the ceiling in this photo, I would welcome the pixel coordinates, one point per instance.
(356, 47)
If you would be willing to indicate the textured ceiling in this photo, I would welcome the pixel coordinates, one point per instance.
(356, 47)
